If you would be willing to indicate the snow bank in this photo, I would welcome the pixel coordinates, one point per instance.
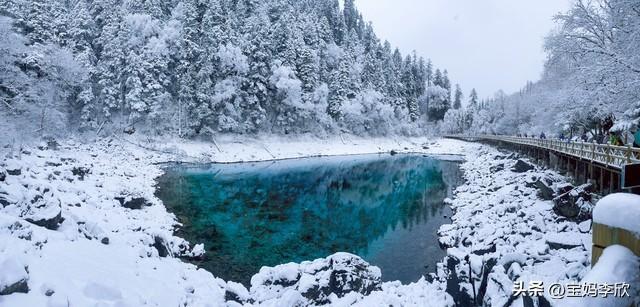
(229, 149)
(621, 210)
(64, 231)
(13, 277)
(503, 232)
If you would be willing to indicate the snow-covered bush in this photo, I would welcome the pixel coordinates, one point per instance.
(367, 114)
(232, 59)
(289, 87)
(436, 102)
(454, 121)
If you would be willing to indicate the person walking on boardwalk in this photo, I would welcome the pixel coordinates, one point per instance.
(636, 137)
(614, 139)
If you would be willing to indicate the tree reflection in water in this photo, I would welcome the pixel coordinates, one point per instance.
(383, 208)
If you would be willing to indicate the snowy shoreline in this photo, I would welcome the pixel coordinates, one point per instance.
(91, 186)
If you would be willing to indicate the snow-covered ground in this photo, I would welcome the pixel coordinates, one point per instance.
(80, 226)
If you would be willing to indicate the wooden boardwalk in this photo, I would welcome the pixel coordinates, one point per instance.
(614, 168)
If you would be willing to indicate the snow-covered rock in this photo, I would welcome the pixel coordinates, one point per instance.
(13, 167)
(544, 186)
(562, 241)
(523, 166)
(13, 277)
(132, 202)
(45, 212)
(503, 231)
(575, 204)
(316, 281)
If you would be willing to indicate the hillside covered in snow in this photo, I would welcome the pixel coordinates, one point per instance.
(200, 68)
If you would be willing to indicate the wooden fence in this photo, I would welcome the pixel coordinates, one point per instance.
(608, 155)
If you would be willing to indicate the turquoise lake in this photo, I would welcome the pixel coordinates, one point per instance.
(383, 208)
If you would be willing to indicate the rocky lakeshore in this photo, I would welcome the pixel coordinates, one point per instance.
(88, 214)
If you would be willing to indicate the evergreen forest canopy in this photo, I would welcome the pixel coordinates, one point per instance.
(193, 68)
(201, 67)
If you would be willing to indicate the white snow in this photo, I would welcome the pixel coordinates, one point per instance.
(104, 254)
(499, 216)
(616, 265)
(12, 272)
(620, 210)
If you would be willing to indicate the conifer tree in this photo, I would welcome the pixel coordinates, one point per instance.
(473, 100)
(446, 84)
(197, 67)
(338, 91)
(457, 102)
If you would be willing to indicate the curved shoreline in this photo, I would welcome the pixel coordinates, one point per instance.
(147, 233)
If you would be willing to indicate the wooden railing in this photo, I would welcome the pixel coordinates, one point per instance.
(609, 155)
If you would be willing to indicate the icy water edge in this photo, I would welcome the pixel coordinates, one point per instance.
(386, 209)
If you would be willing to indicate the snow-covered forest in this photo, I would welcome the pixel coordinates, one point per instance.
(145, 144)
(591, 81)
(195, 68)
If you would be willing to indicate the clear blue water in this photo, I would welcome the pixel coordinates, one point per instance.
(383, 208)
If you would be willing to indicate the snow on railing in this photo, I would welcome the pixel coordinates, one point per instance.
(610, 155)
(615, 222)
(615, 255)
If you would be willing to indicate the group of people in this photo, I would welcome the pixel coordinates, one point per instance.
(615, 138)
(612, 138)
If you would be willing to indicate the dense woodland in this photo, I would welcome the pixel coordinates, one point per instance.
(192, 68)
(591, 82)
(200, 67)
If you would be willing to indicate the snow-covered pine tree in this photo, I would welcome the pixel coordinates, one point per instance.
(338, 90)
(457, 101)
(429, 73)
(307, 68)
(44, 21)
(350, 15)
(473, 100)
(200, 66)
(437, 78)
(446, 84)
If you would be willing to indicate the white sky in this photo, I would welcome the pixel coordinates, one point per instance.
(486, 44)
